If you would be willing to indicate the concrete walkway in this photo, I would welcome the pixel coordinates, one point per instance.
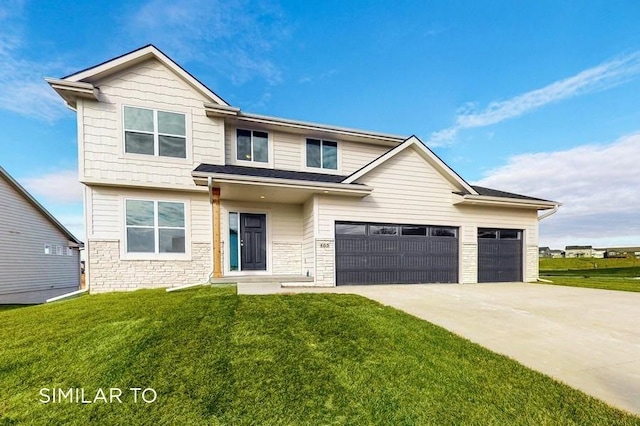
(586, 338)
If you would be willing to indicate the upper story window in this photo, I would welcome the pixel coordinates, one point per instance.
(153, 132)
(252, 145)
(322, 154)
(155, 226)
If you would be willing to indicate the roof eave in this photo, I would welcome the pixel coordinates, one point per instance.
(14, 183)
(70, 91)
(200, 178)
(213, 110)
(483, 200)
(137, 56)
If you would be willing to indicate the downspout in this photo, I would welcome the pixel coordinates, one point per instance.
(544, 216)
(183, 287)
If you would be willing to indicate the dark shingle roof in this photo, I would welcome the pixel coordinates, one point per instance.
(269, 173)
(502, 194)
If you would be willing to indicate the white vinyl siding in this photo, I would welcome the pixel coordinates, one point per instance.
(107, 212)
(308, 235)
(27, 274)
(289, 153)
(148, 85)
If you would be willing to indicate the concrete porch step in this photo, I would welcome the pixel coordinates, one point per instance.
(266, 279)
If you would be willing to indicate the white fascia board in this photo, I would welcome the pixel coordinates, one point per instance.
(137, 56)
(217, 111)
(70, 91)
(280, 183)
(142, 185)
(482, 200)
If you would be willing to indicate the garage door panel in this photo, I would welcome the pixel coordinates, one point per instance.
(499, 260)
(386, 259)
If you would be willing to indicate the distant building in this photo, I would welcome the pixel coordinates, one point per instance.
(578, 251)
(556, 254)
(623, 252)
(39, 258)
(598, 253)
(544, 252)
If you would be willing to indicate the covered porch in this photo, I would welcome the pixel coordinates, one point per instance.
(264, 223)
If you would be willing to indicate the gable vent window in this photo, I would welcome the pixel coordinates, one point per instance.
(322, 154)
(153, 132)
(252, 145)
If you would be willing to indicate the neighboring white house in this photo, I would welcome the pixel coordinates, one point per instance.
(39, 258)
(579, 251)
(181, 187)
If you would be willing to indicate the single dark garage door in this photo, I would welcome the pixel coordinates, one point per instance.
(373, 253)
(499, 255)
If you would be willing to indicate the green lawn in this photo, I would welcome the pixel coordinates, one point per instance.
(547, 264)
(9, 307)
(606, 283)
(214, 357)
(608, 274)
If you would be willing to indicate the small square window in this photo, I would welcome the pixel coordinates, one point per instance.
(47, 249)
(322, 154)
(252, 146)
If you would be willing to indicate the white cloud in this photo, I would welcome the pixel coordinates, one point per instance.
(22, 88)
(234, 38)
(57, 187)
(606, 75)
(597, 184)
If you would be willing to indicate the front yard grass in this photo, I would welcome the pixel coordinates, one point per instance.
(604, 283)
(214, 357)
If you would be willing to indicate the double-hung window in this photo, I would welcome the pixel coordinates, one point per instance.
(322, 154)
(153, 132)
(155, 226)
(252, 145)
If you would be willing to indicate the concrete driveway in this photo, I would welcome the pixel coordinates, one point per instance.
(586, 338)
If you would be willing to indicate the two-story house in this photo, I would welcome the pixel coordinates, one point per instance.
(181, 187)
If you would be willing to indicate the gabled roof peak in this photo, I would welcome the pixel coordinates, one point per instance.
(134, 57)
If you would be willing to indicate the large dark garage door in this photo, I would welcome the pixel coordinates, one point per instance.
(499, 255)
(370, 253)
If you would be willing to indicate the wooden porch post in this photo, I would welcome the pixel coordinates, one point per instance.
(217, 250)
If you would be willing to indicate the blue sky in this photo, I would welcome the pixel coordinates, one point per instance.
(541, 98)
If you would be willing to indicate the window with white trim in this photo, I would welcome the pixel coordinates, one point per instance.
(155, 226)
(252, 145)
(322, 154)
(154, 132)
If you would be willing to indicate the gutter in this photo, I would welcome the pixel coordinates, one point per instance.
(550, 212)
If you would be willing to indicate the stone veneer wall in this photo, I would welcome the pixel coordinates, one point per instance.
(286, 258)
(325, 263)
(107, 272)
(468, 273)
(531, 269)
